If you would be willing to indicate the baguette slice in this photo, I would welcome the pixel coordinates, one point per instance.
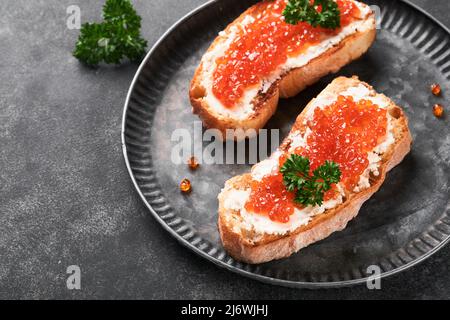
(259, 104)
(246, 241)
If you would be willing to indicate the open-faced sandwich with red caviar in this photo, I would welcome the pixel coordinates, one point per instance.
(275, 49)
(333, 160)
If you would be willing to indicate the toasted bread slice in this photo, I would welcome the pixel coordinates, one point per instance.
(260, 103)
(253, 238)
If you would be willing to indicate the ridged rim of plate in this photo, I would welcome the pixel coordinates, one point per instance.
(427, 243)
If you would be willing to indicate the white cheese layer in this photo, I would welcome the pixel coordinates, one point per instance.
(261, 223)
(266, 167)
(244, 108)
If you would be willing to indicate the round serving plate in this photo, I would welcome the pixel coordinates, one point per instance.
(402, 224)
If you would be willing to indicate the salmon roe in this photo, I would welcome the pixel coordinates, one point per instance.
(185, 186)
(436, 89)
(264, 44)
(343, 132)
(438, 110)
(193, 163)
(270, 197)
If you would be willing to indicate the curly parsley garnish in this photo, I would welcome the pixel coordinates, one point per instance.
(117, 37)
(309, 190)
(303, 11)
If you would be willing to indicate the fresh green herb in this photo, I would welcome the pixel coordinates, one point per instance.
(116, 38)
(307, 11)
(309, 190)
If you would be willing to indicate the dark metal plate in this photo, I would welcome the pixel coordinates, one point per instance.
(404, 223)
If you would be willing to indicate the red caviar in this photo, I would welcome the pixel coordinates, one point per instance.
(269, 196)
(343, 132)
(438, 110)
(263, 45)
(185, 186)
(436, 89)
(193, 163)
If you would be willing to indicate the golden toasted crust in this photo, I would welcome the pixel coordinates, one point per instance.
(290, 84)
(257, 248)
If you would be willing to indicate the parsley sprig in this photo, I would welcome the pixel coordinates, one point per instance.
(303, 11)
(309, 190)
(116, 38)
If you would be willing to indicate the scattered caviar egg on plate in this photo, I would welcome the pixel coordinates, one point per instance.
(438, 110)
(436, 89)
(185, 186)
(193, 163)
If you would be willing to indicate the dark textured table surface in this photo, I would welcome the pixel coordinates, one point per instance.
(65, 195)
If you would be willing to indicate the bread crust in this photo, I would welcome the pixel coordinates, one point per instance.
(290, 84)
(261, 248)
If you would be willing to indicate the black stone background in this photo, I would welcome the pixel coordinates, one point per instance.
(65, 194)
